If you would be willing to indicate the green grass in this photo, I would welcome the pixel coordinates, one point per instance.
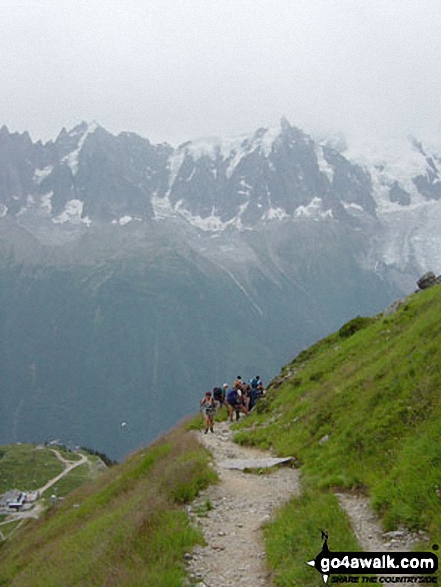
(23, 466)
(202, 509)
(7, 529)
(124, 528)
(197, 422)
(77, 477)
(26, 467)
(67, 454)
(294, 537)
(361, 409)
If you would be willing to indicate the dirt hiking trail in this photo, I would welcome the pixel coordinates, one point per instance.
(69, 465)
(242, 502)
(367, 527)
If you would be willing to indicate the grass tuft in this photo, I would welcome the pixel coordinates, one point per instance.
(294, 537)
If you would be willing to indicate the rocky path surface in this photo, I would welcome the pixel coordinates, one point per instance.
(241, 503)
(368, 531)
(367, 527)
(232, 513)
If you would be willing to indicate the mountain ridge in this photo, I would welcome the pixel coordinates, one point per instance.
(233, 255)
(88, 177)
(161, 172)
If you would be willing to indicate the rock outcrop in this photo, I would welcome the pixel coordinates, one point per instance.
(429, 279)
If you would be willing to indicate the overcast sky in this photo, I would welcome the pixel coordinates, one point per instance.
(173, 70)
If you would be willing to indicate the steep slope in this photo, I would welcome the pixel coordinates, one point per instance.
(126, 528)
(360, 411)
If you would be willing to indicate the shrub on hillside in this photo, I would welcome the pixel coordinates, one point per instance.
(96, 453)
(354, 325)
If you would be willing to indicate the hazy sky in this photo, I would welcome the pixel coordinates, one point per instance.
(172, 70)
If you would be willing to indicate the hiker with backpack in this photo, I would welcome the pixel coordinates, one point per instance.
(208, 407)
(254, 390)
(225, 402)
(238, 383)
(219, 396)
(241, 398)
(260, 389)
(244, 400)
(232, 401)
(236, 401)
(246, 396)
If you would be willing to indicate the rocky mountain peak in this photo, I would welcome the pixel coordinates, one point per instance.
(4, 131)
(271, 175)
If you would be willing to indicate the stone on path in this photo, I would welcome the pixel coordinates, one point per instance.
(264, 463)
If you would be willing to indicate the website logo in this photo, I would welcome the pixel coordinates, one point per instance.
(378, 563)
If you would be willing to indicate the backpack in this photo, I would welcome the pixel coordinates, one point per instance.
(232, 396)
(217, 394)
(254, 383)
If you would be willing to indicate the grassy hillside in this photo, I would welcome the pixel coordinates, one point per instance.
(27, 467)
(24, 467)
(125, 528)
(361, 411)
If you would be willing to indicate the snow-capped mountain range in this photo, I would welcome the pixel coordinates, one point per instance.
(89, 176)
(129, 271)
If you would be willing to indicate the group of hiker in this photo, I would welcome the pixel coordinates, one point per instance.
(240, 398)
